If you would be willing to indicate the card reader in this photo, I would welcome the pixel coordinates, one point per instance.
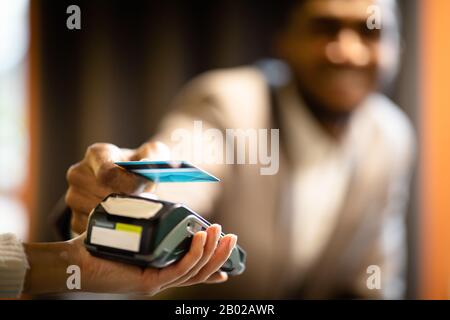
(148, 233)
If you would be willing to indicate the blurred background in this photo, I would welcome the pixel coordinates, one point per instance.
(62, 90)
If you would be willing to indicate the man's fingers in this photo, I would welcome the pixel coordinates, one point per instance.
(120, 180)
(98, 154)
(220, 256)
(217, 277)
(81, 177)
(127, 153)
(100, 157)
(152, 151)
(182, 267)
(213, 234)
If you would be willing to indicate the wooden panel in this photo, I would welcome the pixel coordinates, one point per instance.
(33, 98)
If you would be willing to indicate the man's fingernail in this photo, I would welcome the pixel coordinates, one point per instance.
(219, 230)
(232, 242)
(203, 235)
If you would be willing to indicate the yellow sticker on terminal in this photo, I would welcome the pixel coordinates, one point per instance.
(128, 228)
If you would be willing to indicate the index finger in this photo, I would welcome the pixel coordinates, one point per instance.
(101, 159)
(99, 154)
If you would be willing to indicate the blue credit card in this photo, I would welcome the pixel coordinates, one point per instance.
(168, 171)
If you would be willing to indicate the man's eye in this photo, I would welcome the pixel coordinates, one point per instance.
(325, 28)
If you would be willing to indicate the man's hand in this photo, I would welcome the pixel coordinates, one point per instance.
(96, 176)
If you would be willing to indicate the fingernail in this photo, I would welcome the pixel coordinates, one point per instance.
(232, 242)
(203, 235)
(219, 230)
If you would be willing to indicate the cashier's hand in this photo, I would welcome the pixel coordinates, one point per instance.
(96, 176)
(200, 265)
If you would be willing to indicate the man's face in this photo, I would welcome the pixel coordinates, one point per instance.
(334, 55)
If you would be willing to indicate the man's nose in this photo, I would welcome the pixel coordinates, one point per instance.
(348, 48)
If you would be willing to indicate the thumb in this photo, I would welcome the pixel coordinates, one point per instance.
(153, 150)
(100, 155)
(101, 158)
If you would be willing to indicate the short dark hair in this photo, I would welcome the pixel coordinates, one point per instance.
(282, 14)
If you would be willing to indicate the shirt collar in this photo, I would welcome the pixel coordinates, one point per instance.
(307, 140)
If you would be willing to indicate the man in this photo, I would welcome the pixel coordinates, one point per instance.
(335, 207)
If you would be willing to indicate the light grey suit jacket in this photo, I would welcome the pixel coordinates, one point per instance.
(370, 228)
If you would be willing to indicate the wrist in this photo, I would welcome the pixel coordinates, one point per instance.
(48, 265)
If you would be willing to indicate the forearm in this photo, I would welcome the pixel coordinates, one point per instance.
(48, 264)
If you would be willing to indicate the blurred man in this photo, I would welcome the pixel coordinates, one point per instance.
(334, 210)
